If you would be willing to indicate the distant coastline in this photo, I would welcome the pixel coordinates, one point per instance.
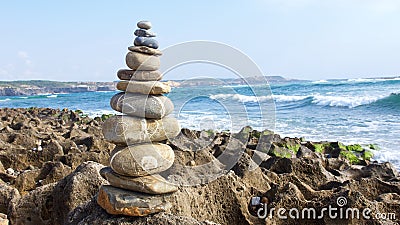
(38, 87)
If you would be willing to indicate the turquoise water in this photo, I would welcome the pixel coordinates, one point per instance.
(351, 111)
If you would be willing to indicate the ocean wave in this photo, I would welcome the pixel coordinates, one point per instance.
(367, 80)
(52, 96)
(319, 81)
(289, 98)
(355, 101)
(100, 112)
(345, 101)
(240, 98)
(247, 98)
(321, 100)
(5, 100)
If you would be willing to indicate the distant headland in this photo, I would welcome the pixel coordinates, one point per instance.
(37, 87)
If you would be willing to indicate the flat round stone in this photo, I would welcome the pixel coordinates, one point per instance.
(118, 201)
(145, 50)
(153, 184)
(127, 130)
(144, 33)
(140, 61)
(141, 159)
(146, 41)
(140, 75)
(144, 87)
(144, 24)
(141, 105)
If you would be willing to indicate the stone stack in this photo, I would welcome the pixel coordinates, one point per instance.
(135, 187)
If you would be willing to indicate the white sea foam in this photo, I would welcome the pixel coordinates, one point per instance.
(366, 80)
(319, 81)
(246, 98)
(5, 100)
(52, 96)
(345, 101)
(240, 98)
(289, 98)
(322, 100)
(205, 122)
(94, 113)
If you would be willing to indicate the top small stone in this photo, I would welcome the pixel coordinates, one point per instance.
(144, 24)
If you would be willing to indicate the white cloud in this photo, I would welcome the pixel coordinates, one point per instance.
(376, 6)
(25, 57)
(22, 54)
(383, 6)
(3, 72)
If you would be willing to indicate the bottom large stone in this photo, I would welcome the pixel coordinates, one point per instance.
(118, 201)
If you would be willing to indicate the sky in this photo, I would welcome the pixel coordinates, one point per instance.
(301, 39)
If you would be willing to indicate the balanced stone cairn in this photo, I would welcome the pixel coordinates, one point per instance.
(136, 188)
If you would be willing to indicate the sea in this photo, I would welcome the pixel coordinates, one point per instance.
(364, 111)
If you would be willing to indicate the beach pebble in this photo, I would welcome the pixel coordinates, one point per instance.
(3, 219)
(139, 75)
(141, 105)
(153, 184)
(118, 201)
(144, 24)
(145, 50)
(144, 87)
(146, 41)
(144, 33)
(10, 171)
(142, 159)
(127, 130)
(140, 61)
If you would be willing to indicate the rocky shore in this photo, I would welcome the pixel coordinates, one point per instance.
(50, 161)
(37, 87)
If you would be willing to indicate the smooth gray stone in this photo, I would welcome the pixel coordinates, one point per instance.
(141, 105)
(145, 50)
(144, 24)
(140, 61)
(146, 41)
(144, 87)
(141, 159)
(153, 184)
(118, 201)
(144, 33)
(139, 75)
(127, 130)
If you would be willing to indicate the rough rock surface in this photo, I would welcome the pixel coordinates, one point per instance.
(76, 189)
(301, 174)
(51, 203)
